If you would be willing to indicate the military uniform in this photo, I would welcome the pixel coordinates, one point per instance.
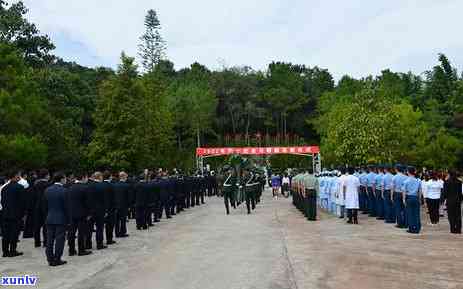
(310, 183)
(251, 190)
(229, 189)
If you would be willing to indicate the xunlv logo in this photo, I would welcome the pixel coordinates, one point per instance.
(25, 280)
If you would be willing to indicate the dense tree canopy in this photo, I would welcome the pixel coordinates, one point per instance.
(63, 115)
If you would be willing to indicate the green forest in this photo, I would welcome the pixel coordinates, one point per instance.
(145, 113)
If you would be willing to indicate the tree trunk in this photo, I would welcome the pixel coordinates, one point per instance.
(232, 120)
(284, 126)
(247, 128)
(179, 140)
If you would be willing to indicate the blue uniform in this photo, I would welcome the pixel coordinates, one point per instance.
(371, 179)
(399, 207)
(412, 190)
(323, 192)
(378, 196)
(363, 179)
(371, 194)
(331, 195)
(363, 196)
(389, 212)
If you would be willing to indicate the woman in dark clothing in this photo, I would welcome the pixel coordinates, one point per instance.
(452, 194)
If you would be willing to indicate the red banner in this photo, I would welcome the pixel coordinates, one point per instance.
(257, 151)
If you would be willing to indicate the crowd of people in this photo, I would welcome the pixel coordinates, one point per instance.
(393, 194)
(87, 207)
(84, 208)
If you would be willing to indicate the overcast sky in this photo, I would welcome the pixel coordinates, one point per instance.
(356, 37)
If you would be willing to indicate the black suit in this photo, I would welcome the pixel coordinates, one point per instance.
(98, 212)
(121, 199)
(12, 212)
(28, 201)
(165, 195)
(57, 219)
(39, 212)
(110, 219)
(140, 204)
(152, 199)
(453, 195)
(79, 205)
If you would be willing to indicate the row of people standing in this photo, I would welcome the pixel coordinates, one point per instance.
(81, 207)
(394, 195)
(333, 194)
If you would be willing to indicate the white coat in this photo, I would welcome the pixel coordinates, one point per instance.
(352, 184)
(340, 196)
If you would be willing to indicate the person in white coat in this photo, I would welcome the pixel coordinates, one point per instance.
(340, 203)
(332, 193)
(351, 187)
(324, 189)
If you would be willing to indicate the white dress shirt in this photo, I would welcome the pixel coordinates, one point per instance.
(23, 183)
(433, 189)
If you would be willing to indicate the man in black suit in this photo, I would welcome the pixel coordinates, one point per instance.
(12, 214)
(110, 217)
(57, 219)
(141, 197)
(121, 196)
(165, 197)
(150, 190)
(79, 205)
(97, 196)
(39, 213)
(453, 197)
(28, 201)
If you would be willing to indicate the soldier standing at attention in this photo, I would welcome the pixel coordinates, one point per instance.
(311, 186)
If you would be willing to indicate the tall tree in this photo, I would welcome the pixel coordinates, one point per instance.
(117, 140)
(152, 47)
(16, 30)
(157, 119)
(368, 127)
(21, 109)
(283, 93)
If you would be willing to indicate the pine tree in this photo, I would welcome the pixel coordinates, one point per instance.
(152, 47)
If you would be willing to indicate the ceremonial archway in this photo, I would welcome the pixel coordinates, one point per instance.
(306, 151)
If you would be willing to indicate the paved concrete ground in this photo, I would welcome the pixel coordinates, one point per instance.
(272, 248)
